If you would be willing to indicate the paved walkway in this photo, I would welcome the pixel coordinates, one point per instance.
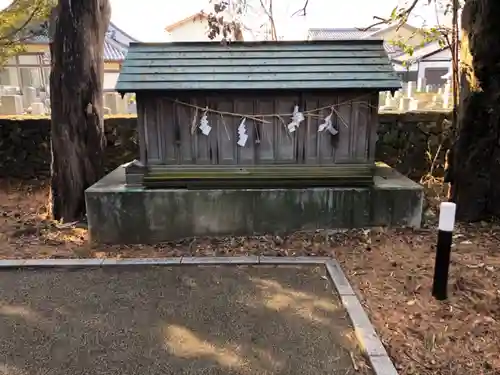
(174, 320)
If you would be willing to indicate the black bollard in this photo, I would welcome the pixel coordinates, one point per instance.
(443, 251)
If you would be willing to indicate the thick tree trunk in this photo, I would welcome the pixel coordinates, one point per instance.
(476, 166)
(78, 29)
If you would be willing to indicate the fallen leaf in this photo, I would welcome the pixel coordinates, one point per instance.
(473, 266)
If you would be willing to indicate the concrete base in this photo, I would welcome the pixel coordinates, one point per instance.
(119, 215)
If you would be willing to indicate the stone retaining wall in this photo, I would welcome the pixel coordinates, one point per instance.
(407, 141)
(414, 142)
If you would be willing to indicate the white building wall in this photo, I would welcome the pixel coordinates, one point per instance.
(197, 31)
(441, 59)
(191, 31)
(110, 79)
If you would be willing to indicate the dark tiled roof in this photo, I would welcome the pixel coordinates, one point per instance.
(297, 65)
(392, 50)
(114, 49)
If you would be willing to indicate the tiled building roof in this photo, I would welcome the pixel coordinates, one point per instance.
(112, 53)
(350, 34)
(338, 34)
(115, 43)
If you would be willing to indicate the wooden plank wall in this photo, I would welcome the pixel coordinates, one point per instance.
(167, 129)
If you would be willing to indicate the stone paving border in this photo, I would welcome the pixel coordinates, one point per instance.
(364, 330)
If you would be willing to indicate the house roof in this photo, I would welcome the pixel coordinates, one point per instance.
(422, 52)
(114, 51)
(115, 43)
(340, 64)
(118, 35)
(338, 34)
(376, 32)
(191, 18)
(351, 34)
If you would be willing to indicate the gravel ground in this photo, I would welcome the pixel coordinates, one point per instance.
(174, 320)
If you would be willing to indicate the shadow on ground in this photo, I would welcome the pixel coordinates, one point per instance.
(174, 320)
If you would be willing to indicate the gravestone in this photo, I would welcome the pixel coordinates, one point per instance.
(111, 101)
(132, 108)
(404, 104)
(12, 105)
(410, 89)
(29, 96)
(388, 102)
(122, 105)
(437, 101)
(37, 108)
(412, 104)
(421, 84)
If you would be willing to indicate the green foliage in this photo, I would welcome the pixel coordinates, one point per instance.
(20, 21)
(442, 34)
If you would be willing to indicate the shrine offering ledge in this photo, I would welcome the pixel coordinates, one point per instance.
(118, 214)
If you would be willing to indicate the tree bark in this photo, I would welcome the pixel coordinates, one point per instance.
(476, 155)
(78, 29)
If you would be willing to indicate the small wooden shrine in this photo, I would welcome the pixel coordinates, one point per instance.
(256, 114)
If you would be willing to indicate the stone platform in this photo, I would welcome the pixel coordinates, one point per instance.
(118, 214)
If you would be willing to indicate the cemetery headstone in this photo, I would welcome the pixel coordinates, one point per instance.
(29, 96)
(37, 108)
(421, 84)
(12, 105)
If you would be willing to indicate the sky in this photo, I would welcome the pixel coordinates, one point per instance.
(146, 19)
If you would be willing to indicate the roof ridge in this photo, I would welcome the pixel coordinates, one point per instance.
(249, 43)
(341, 28)
(184, 20)
(123, 32)
(116, 44)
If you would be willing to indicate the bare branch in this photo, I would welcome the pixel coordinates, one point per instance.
(302, 11)
(270, 16)
(401, 17)
(382, 21)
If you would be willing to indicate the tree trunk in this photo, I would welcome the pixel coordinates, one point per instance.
(476, 167)
(78, 29)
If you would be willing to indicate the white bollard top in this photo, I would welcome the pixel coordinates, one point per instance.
(447, 216)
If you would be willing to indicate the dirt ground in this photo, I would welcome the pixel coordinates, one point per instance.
(175, 320)
(392, 270)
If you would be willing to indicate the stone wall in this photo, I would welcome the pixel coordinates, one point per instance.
(407, 141)
(25, 146)
(414, 142)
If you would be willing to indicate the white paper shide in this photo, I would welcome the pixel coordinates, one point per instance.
(242, 133)
(328, 125)
(204, 126)
(297, 118)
